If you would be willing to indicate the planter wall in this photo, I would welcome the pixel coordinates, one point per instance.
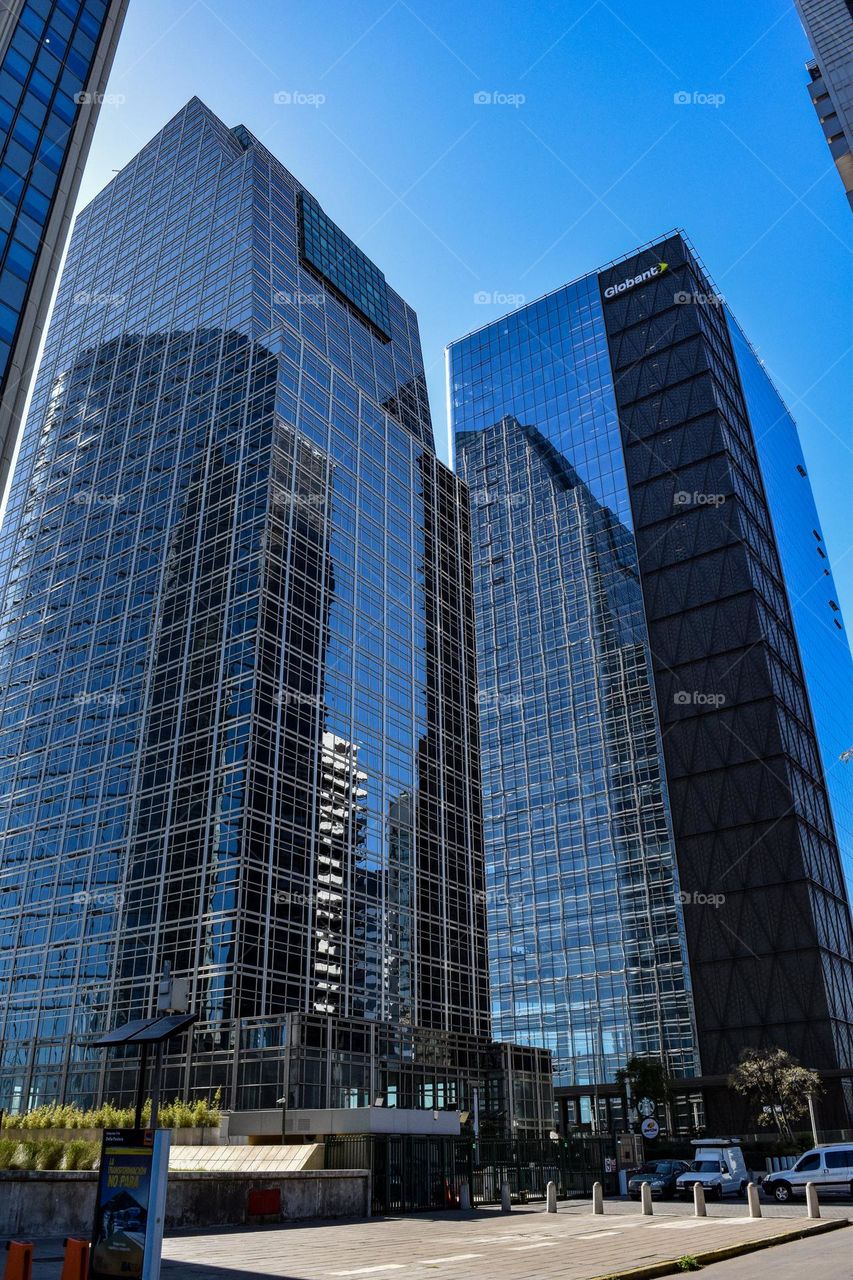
(63, 1204)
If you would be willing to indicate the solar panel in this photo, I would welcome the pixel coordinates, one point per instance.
(148, 1030)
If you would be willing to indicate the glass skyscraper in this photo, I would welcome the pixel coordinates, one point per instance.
(237, 662)
(656, 640)
(829, 27)
(55, 56)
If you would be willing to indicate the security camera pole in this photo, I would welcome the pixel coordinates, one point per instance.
(172, 997)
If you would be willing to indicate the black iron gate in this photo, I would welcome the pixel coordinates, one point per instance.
(411, 1173)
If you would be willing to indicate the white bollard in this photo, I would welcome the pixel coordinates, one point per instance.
(754, 1202)
(812, 1204)
(699, 1209)
(551, 1198)
(597, 1198)
(465, 1197)
(506, 1202)
(646, 1199)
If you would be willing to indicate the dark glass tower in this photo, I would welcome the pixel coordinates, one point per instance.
(660, 747)
(55, 57)
(237, 659)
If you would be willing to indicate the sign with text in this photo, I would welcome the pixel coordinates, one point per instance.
(127, 1238)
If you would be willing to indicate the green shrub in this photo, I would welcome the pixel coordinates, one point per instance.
(8, 1147)
(28, 1154)
(50, 1153)
(177, 1114)
(80, 1154)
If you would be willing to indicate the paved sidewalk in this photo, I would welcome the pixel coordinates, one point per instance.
(570, 1245)
(486, 1245)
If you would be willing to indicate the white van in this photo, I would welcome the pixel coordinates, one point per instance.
(829, 1167)
(719, 1166)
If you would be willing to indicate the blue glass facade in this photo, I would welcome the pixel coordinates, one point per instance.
(236, 661)
(54, 56)
(587, 946)
(821, 635)
(663, 684)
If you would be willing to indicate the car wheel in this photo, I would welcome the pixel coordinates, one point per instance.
(743, 1189)
(782, 1191)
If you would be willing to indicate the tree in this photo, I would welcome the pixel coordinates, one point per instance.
(645, 1078)
(776, 1085)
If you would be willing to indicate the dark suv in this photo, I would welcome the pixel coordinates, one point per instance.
(659, 1174)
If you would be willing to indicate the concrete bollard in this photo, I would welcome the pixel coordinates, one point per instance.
(754, 1202)
(699, 1209)
(551, 1198)
(465, 1197)
(646, 1199)
(812, 1204)
(506, 1202)
(597, 1198)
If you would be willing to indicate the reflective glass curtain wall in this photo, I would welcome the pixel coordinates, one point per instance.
(55, 56)
(587, 946)
(236, 648)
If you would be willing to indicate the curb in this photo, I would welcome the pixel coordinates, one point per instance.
(671, 1267)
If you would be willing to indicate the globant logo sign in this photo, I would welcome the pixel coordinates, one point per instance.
(623, 286)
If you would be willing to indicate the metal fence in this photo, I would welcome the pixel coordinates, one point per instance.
(411, 1173)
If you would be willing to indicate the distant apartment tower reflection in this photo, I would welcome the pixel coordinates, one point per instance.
(237, 662)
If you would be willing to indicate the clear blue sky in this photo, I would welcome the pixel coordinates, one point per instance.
(453, 198)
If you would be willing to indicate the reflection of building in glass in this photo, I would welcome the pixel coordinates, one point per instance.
(55, 57)
(657, 641)
(236, 656)
(343, 817)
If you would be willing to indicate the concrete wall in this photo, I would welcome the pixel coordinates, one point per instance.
(60, 1204)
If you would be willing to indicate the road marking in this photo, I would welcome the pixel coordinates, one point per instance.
(455, 1257)
(597, 1235)
(368, 1271)
(522, 1248)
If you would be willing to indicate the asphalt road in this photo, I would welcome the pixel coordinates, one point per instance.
(828, 1257)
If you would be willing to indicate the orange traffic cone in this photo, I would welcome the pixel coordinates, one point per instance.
(75, 1265)
(19, 1264)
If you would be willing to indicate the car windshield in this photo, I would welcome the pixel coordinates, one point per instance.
(653, 1168)
(706, 1166)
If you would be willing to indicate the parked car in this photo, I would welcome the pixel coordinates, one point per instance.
(719, 1166)
(661, 1175)
(829, 1167)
